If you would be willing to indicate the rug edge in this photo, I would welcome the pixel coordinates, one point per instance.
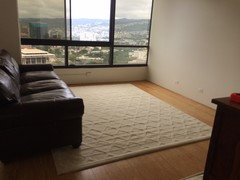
(191, 176)
(131, 155)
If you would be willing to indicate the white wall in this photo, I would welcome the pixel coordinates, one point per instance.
(196, 43)
(98, 75)
(9, 31)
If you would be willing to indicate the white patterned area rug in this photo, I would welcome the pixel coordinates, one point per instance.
(123, 121)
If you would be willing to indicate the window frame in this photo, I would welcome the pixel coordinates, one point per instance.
(69, 42)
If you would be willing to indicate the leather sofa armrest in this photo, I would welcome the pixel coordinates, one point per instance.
(44, 110)
(38, 67)
(54, 108)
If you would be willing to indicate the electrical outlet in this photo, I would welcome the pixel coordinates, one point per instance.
(87, 73)
(177, 82)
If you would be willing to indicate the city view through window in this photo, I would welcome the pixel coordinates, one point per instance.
(84, 21)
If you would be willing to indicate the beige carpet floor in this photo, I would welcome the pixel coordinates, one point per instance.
(123, 121)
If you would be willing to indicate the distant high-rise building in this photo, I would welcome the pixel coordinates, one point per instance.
(25, 31)
(56, 33)
(38, 30)
(36, 56)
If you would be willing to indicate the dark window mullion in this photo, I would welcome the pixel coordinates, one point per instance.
(65, 21)
(133, 46)
(70, 30)
(66, 56)
(112, 31)
(65, 18)
(70, 8)
(54, 42)
(72, 66)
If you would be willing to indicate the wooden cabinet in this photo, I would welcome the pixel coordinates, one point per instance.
(223, 160)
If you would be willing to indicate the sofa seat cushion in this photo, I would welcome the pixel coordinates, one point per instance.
(41, 86)
(32, 76)
(48, 95)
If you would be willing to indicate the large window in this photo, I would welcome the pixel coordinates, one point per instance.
(79, 33)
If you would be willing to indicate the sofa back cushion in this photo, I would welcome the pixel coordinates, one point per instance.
(10, 66)
(9, 92)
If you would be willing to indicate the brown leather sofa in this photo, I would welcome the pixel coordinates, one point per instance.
(37, 110)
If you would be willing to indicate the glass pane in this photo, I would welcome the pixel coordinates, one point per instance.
(132, 22)
(43, 19)
(88, 55)
(43, 55)
(128, 55)
(90, 20)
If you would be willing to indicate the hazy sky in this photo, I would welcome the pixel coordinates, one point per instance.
(91, 9)
(41, 8)
(95, 9)
(133, 9)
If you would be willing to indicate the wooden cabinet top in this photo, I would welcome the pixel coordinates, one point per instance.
(226, 102)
